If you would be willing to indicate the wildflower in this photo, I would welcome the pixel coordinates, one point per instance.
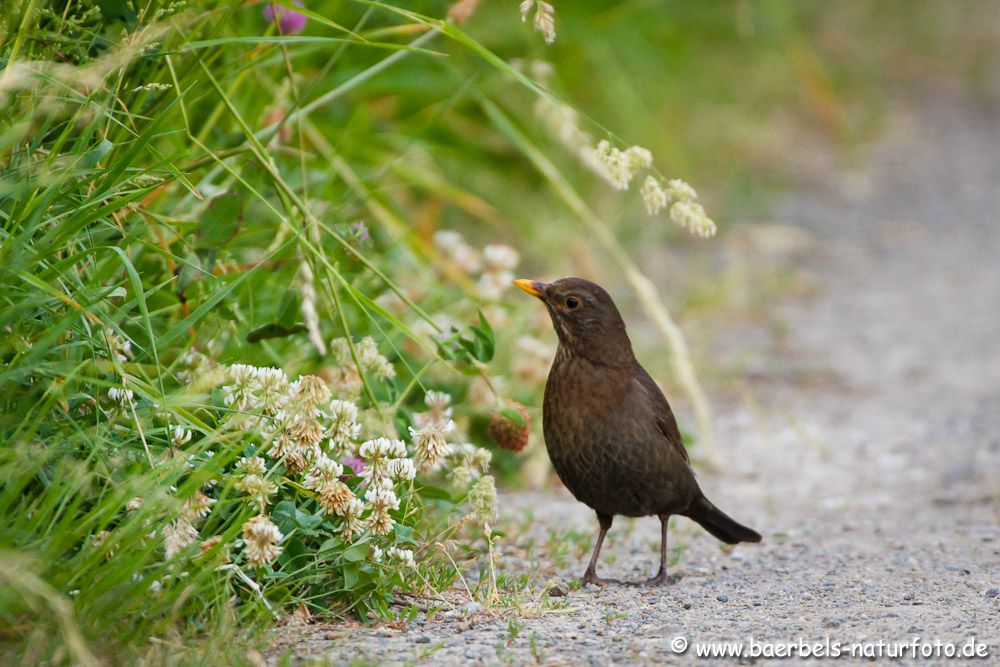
(621, 166)
(290, 22)
(372, 360)
(206, 546)
(500, 257)
(376, 553)
(356, 464)
(403, 556)
(251, 465)
(691, 215)
(439, 410)
(653, 195)
(311, 390)
(457, 250)
(461, 476)
(359, 232)
(351, 522)
(181, 436)
(324, 471)
(178, 536)
(240, 394)
(369, 359)
(271, 390)
(467, 455)
(532, 359)
(483, 498)
(198, 506)
(681, 191)
(121, 349)
(252, 481)
(509, 433)
(133, 504)
(545, 18)
(378, 453)
(123, 397)
(344, 429)
(262, 537)
(381, 500)
(335, 497)
(401, 469)
(430, 442)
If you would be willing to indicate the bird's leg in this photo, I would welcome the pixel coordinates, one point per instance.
(661, 575)
(590, 576)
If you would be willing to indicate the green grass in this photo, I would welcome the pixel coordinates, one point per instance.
(185, 179)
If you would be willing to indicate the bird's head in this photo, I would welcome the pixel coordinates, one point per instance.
(585, 318)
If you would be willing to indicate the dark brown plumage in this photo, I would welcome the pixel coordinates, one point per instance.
(609, 430)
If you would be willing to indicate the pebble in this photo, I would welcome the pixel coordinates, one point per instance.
(722, 598)
(993, 592)
(558, 588)
(423, 639)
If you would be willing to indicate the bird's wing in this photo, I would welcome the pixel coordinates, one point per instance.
(661, 411)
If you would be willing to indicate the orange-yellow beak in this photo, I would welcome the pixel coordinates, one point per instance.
(532, 287)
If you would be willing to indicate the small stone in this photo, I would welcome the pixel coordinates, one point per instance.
(722, 598)
(472, 608)
(423, 639)
(558, 588)
(908, 596)
(686, 605)
(993, 592)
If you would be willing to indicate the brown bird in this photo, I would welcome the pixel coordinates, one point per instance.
(609, 430)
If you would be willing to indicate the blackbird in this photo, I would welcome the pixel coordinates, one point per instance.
(609, 431)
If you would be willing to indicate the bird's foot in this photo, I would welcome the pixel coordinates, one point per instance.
(592, 578)
(661, 579)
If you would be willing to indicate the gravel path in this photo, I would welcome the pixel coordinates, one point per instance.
(865, 446)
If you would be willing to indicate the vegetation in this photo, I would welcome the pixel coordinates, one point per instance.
(253, 268)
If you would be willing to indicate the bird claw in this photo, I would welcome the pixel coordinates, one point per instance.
(592, 578)
(661, 579)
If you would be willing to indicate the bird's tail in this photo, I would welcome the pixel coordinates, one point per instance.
(719, 524)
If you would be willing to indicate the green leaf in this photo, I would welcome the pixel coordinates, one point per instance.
(274, 331)
(221, 220)
(355, 553)
(514, 416)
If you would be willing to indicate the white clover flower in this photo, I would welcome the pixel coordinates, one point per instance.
(461, 476)
(181, 436)
(382, 448)
(252, 465)
(121, 348)
(460, 253)
(498, 257)
(430, 442)
(653, 195)
(178, 536)
(376, 553)
(491, 286)
(344, 428)
(262, 538)
(439, 410)
(123, 397)
(323, 471)
(272, 389)
(401, 469)
(351, 521)
(197, 507)
(403, 556)
(372, 360)
(381, 500)
(259, 488)
(239, 395)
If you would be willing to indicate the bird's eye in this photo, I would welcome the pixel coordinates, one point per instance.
(572, 302)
